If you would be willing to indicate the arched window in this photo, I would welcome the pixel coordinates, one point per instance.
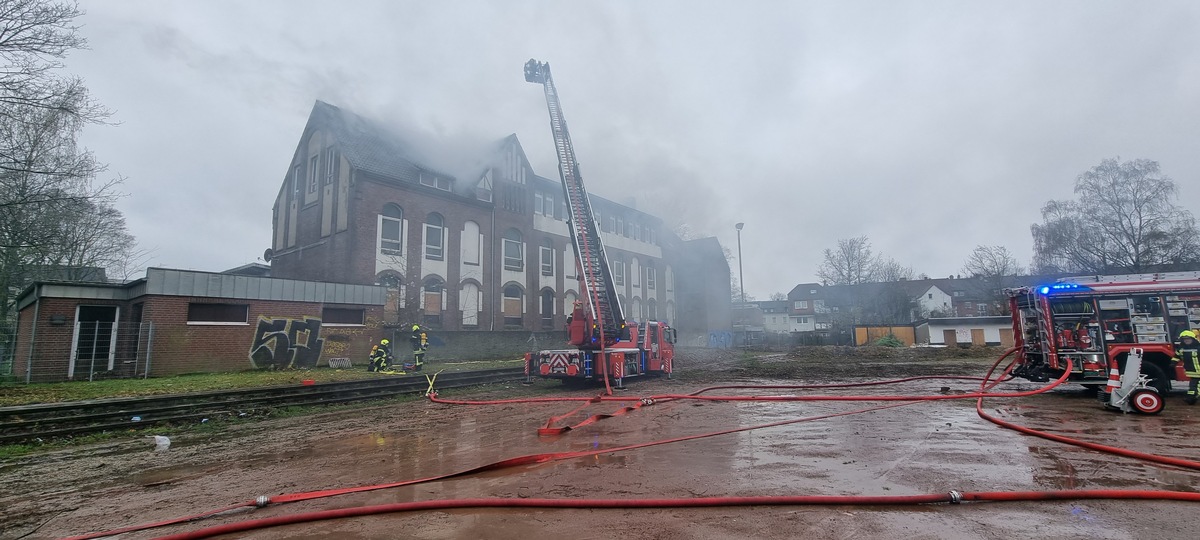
(651, 276)
(635, 310)
(514, 251)
(651, 310)
(670, 312)
(514, 304)
(547, 255)
(468, 301)
(433, 294)
(635, 272)
(547, 308)
(435, 237)
(470, 243)
(391, 230)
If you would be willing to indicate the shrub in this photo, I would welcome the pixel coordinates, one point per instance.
(889, 340)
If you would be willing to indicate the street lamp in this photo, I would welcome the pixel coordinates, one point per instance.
(741, 280)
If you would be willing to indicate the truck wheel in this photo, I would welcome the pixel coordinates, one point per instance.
(1146, 401)
(1158, 378)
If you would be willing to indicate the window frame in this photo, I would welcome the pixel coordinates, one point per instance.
(225, 319)
(385, 243)
(546, 253)
(339, 312)
(435, 252)
(513, 263)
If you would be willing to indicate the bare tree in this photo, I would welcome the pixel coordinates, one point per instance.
(851, 263)
(53, 211)
(778, 296)
(1125, 219)
(991, 262)
(890, 270)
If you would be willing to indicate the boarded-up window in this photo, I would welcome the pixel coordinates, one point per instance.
(470, 243)
(468, 301)
(513, 301)
(433, 288)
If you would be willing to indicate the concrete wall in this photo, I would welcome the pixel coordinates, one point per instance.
(996, 331)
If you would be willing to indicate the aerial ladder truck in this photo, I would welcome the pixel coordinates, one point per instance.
(605, 348)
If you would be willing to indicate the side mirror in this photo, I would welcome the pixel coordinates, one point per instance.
(670, 335)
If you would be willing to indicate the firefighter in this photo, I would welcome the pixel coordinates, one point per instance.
(1188, 352)
(420, 343)
(381, 356)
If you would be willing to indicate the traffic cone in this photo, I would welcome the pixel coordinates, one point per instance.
(1114, 380)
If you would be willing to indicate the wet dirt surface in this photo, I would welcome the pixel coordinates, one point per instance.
(930, 447)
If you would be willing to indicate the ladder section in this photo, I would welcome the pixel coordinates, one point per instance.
(595, 277)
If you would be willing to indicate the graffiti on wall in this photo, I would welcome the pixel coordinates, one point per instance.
(286, 343)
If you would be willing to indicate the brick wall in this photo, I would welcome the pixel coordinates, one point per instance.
(178, 347)
(479, 345)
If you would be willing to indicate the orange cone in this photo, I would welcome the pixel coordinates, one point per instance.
(1114, 380)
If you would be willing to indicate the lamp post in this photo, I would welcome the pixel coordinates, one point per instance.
(741, 280)
(742, 288)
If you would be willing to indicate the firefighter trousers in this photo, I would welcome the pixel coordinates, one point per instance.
(1193, 382)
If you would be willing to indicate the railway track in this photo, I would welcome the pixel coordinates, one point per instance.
(50, 420)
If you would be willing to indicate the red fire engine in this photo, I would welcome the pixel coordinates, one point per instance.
(605, 347)
(1098, 322)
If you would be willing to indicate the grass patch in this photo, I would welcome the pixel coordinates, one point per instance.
(17, 393)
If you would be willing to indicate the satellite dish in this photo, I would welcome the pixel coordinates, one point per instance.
(268, 254)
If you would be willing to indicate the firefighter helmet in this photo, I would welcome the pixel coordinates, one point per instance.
(1187, 334)
(384, 342)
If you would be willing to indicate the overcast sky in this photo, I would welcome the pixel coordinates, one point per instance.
(930, 127)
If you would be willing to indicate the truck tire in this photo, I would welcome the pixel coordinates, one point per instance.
(1158, 377)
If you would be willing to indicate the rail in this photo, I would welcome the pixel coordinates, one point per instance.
(48, 420)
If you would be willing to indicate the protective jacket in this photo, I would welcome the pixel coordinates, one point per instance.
(1190, 356)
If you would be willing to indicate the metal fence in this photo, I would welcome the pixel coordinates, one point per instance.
(99, 352)
(8, 340)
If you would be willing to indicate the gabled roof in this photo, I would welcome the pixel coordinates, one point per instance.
(365, 144)
(372, 147)
(805, 290)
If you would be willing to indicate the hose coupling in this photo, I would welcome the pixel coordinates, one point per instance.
(955, 497)
(647, 401)
(262, 501)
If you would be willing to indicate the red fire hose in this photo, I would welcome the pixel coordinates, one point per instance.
(986, 383)
(699, 502)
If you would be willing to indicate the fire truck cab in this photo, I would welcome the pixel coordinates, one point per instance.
(1095, 321)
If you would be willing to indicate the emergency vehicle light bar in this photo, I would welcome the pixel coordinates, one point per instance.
(1047, 289)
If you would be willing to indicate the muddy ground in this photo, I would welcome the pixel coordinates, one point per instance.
(933, 447)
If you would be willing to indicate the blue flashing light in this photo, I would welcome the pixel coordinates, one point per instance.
(1057, 287)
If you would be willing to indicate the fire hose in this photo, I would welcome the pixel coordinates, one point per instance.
(986, 384)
